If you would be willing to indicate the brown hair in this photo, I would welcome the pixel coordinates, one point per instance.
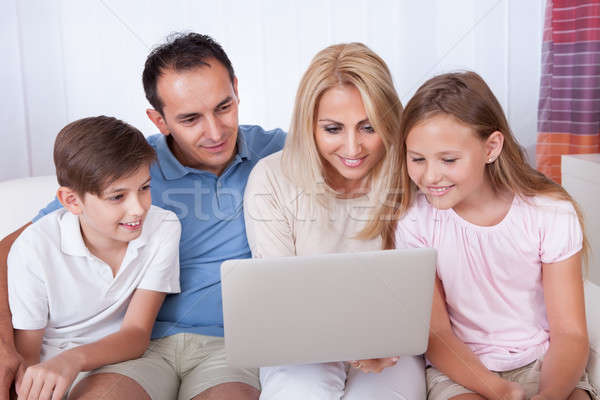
(466, 97)
(91, 153)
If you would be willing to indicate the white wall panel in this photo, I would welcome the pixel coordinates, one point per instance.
(85, 57)
(43, 78)
(14, 153)
(524, 44)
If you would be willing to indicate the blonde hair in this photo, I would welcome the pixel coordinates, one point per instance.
(344, 64)
(466, 97)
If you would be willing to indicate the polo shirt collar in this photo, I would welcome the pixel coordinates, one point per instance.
(171, 167)
(72, 242)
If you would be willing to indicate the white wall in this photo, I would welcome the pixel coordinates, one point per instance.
(68, 59)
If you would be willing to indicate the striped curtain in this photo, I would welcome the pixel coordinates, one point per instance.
(569, 106)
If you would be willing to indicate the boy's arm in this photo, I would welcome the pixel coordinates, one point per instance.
(29, 344)
(455, 359)
(567, 355)
(131, 341)
(10, 360)
(54, 376)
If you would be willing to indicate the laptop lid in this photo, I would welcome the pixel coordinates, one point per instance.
(335, 307)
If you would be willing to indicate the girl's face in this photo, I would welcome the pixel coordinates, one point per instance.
(346, 140)
(447, 160)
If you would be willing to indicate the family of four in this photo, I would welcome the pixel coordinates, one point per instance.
(114, 290)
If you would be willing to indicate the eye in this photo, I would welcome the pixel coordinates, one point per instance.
(417, 160)
(116, 197)
(145, 187)
(368, 128)
(188, 121)
(224, 107)
(449, 160)
(332, 129)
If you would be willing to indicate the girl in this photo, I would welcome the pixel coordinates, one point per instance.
(318, 196)
(508, 320)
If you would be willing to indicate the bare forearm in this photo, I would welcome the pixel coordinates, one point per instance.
(563, 365)
(455, 359)
(120, 346)
(6, 328)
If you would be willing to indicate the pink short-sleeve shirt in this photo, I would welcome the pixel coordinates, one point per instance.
(492, 275)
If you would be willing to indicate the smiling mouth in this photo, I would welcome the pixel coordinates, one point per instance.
(216, 148)
(439, 190)
(352, 162)
(132, 226)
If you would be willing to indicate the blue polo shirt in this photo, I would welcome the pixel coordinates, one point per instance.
(212, 227)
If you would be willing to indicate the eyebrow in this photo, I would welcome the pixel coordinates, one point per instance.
(441, 153)
(339, 123)
(124, 189)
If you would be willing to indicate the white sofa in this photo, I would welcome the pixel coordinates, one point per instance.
(20, 200)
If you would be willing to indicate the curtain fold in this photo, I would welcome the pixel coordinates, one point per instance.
(569, 104)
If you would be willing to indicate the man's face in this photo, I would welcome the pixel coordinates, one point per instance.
(200, 112)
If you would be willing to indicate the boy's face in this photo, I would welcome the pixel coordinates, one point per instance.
(116, 217)
(200, 113)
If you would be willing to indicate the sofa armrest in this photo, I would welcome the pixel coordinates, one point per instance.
(592, 306)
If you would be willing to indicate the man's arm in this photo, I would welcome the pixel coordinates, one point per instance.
(10, 360)
(53, 377)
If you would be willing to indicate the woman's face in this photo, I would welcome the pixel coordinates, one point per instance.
(346, 140)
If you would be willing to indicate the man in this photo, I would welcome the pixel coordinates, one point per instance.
(204, 159)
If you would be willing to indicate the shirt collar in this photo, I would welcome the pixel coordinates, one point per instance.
(71, 240)
(171, 167)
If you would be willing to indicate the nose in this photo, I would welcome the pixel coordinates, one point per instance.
(212, 129)
(135, 205)
(353, 144)
(432, 174)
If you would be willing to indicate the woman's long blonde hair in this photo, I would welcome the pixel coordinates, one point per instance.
(466, 97)
(345, 64)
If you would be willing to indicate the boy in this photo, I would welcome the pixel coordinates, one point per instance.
(86, 282)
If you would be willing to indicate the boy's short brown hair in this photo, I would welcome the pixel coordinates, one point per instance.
(91, 153)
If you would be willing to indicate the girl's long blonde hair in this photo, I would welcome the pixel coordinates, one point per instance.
(466, 97)
(345, 64)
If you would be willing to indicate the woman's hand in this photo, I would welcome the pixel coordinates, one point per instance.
(50, 379)
(375, 364)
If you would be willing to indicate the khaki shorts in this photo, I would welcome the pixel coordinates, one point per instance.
(182, 366)
(441, 387)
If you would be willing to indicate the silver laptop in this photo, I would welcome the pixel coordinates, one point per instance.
(336, 307)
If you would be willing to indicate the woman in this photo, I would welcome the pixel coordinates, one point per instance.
(319, 195)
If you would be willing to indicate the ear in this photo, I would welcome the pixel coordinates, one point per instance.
(493, 146)
(70, 200)
(235, 89)
(158, 120)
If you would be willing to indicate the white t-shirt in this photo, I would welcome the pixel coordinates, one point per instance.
(54, 282)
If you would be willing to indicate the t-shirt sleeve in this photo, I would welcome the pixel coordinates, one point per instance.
(162, 274)
(412, 228)
(52, 206)
(27, 295)
(560, 232)
(268, 230)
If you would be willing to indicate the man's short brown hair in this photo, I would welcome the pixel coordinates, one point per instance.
(91, 153)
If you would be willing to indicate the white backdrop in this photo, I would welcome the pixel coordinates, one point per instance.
(67, 59)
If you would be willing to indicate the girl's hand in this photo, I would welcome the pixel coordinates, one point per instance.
(514, 391)
(50, 379)
(374, 365)
(539, 397)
